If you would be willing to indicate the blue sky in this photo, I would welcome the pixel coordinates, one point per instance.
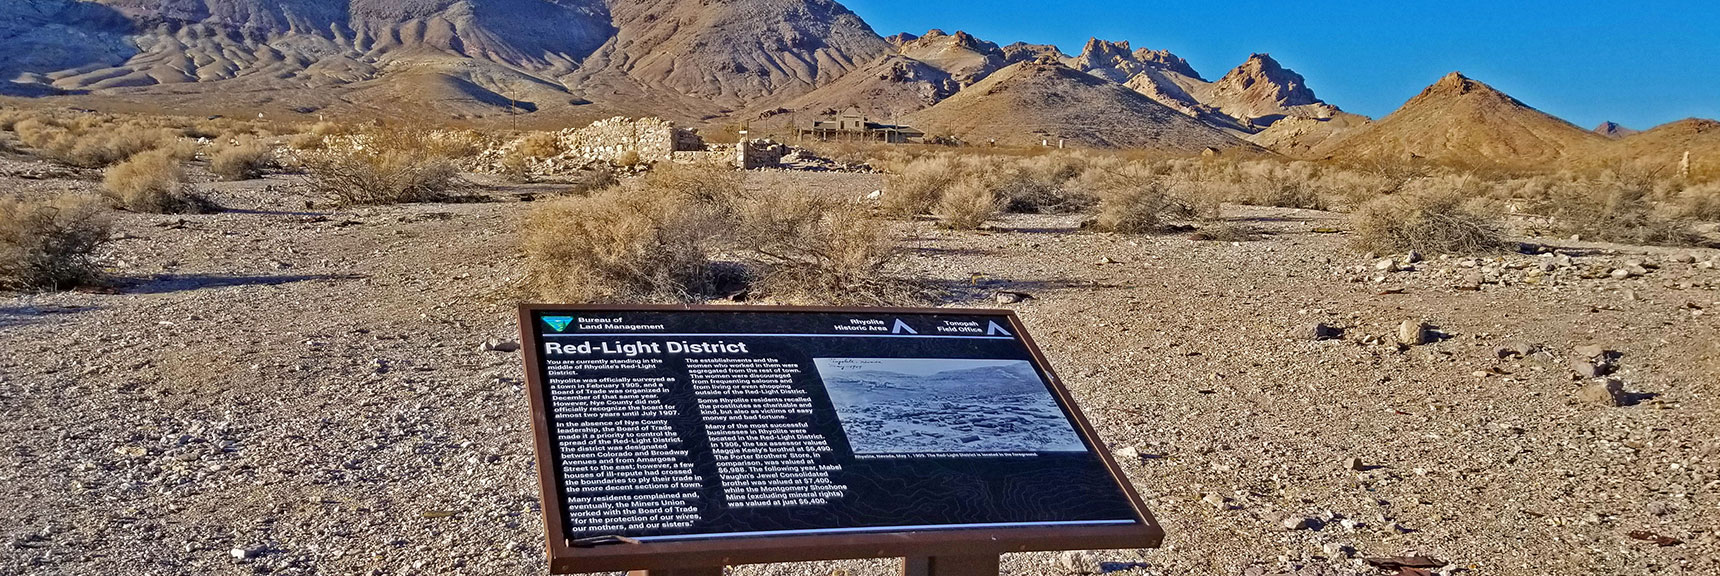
(1639, 64)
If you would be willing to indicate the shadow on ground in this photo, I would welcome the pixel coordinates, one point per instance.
(167, 283)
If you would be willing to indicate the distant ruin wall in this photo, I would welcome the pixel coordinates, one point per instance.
(609, 140)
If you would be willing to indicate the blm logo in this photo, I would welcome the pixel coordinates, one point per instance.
(558, 323)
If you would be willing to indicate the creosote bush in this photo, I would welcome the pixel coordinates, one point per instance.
(152, 181)
(1427, 222)
(817, 249)
(50, 244)
(92, 141)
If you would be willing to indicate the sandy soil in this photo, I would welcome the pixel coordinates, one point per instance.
(306, 387)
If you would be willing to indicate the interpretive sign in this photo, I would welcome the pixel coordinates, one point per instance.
(677, 437)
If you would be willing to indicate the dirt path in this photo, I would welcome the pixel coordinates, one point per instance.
(306, 387)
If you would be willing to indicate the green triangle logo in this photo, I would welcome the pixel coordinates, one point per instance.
(559, 323)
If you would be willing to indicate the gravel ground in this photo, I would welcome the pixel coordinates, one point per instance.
(287, 391)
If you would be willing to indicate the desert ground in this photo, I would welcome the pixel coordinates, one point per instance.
(273, 389)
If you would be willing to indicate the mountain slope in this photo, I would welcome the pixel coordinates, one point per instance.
(686, 58)
(1661, 149)
(1459, 121)
(1028, 102)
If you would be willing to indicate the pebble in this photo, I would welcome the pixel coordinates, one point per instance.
(1387, 265)
(1005, 297)
(1354, 464)
(1337, 550)
(1128, 454)
(1686, 258)
(1216, 500)
(1295, 523)
(242, 554)
(1620, 273)
(1592, 351)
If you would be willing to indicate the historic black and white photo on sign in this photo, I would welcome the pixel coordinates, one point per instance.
(905, 405)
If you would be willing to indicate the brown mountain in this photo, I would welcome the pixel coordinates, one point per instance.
(1030, 102)
(687, 58)
(1662, 148)
(1459, 121)
(1614, 130)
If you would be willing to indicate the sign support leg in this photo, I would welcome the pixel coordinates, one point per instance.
(707, 571)
(980, 565)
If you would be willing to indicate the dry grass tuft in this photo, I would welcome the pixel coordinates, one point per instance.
(154, 182)
(48, 245)
(1427, 222)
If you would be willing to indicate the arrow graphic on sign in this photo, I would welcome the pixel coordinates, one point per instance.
(994, 330)
(902, 327)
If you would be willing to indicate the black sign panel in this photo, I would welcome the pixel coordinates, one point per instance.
(713, 423)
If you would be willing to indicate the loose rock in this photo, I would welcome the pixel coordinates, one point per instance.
(1609, 393)
(1413, 333)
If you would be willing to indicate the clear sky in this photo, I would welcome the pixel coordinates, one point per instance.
(1636, 63)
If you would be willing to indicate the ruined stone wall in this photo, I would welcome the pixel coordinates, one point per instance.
(609, 140)
(759, 154)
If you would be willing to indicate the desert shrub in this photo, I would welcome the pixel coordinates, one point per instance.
(1134, 200)
(919, 184)
(1040, 183)
(381, 166)
(539, 145)
(52, 244)
(621, 246)
(713, 184)
(88, 143)
(657, 237)
(152, 181)
(1700, 202)
(244, 159)
(970, 203)
(1427, 222)
(1613, 208)
(816, 249)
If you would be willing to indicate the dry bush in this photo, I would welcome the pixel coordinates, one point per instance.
(1700, 202)
(1616, 208)
(381, 166)
(152, 181)
(917, 186)
(629, 159)
(540, 145)
(714, 184)
(621, 245)
(1041, 183)
(970, 203)
(818, 250)
(1426, 222)
(1134, 200)
(244, 159)
(655, 239)
(47, 245)
(91, 142)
